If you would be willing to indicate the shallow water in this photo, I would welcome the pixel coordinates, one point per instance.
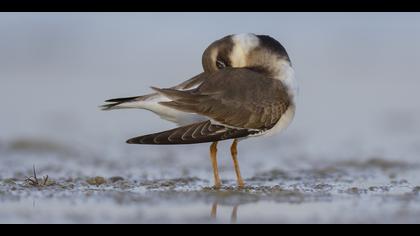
(371, 191)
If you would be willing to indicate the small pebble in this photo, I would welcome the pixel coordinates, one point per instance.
(116, 179)
(96, 181)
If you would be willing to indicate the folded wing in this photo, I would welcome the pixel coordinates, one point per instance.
(196, 133)
(234, 97)
(237, 101)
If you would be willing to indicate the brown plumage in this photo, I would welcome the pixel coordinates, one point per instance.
(239, 101)
(202, 132)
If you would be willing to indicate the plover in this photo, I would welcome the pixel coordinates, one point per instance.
(247, 90)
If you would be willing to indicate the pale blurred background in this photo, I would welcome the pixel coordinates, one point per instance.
(351, 149)
(358, 75)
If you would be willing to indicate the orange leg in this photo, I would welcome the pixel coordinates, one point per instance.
(234, 152)
(213, 155)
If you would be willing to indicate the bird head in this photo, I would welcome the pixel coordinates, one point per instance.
(260, 53)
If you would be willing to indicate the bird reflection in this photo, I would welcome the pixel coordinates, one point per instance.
(233, 217)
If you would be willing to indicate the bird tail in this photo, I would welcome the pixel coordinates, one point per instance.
(126, 103)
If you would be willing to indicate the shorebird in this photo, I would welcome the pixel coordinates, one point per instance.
(247, 90)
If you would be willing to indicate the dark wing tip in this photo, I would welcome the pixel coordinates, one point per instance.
(202, 132)
(155, 88)
(131, 141)
(145, 139)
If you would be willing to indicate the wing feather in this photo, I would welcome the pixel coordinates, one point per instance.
(234, 97)
(196, 133)
(237, 101)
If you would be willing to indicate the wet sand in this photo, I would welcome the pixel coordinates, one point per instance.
(371, 191)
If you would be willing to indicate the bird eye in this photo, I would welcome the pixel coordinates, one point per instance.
(220, 64)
